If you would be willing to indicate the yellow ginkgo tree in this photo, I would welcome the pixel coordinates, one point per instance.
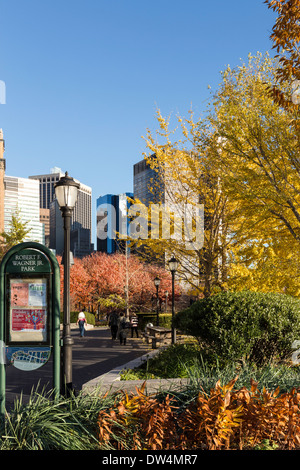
(241, 161)
(255, 146)
(190, 220)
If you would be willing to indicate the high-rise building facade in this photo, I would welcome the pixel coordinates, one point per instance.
(22, 197)
(2, 174)
(47, 182)
(175, 216)
(47, 195)
(45, 219)
(112, 220)
(81, 222)
(147, 184)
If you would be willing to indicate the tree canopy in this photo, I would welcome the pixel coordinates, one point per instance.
(241, 160)
(17, 232)
(286, 41)
(99, 280)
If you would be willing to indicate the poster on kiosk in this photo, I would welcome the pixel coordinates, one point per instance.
(28, 310)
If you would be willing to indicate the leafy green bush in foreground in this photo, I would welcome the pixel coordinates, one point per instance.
(258, 327)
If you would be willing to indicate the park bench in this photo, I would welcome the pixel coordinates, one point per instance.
(158, 336)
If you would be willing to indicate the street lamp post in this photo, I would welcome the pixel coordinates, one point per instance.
(173, 265)
(66, 191)
(157, 283)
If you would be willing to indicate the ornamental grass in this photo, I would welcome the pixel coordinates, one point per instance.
(226, 418)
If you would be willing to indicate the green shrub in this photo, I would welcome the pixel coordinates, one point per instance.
(90, 317)
(172, 362)
(257, 327)
(165, 319)
(183, 360)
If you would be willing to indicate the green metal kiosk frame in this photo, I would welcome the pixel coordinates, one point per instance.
(21, 266)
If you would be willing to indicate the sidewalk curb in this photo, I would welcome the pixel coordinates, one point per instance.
(111, 381)
(115, 374)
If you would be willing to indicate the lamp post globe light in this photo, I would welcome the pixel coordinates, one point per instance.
(66, 192)
(157, 283)
(173, 265)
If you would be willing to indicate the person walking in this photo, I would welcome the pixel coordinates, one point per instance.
(122, 330)
(113, 323)
(81, 322)
(134, 325)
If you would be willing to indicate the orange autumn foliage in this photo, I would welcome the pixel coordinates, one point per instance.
(286, 39)
(239, 419)
(100, 275)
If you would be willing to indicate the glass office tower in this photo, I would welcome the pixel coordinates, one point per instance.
(112, 219)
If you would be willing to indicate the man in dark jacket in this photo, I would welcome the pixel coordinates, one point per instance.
(113, 323)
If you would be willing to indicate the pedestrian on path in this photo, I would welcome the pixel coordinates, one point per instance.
(134, 325)
(123, 329)
(81, 322)
(113, 323)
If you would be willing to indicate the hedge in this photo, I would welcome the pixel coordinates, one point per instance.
(259, 327)
(165, 319)
(90, 317)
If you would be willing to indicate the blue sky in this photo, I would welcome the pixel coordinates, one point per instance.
(83, 79)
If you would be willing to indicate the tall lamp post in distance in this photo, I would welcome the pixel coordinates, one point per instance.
(173, 265)
(66, 192)
(157, 283)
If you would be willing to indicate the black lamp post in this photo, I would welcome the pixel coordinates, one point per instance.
(66, 191)
(157, 283)
(173, 265)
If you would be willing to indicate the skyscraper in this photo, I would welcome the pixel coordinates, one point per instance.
(175, 213)
(147, 184)
(112, 220)
(2, 174)
(47, 195)
(22, 197)
(47, 182)
(81, 222)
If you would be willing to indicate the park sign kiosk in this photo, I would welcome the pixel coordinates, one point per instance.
(29, 311)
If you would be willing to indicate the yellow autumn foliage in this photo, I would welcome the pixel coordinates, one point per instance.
(241, 161)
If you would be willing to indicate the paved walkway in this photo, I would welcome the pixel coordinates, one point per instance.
(94, 355)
